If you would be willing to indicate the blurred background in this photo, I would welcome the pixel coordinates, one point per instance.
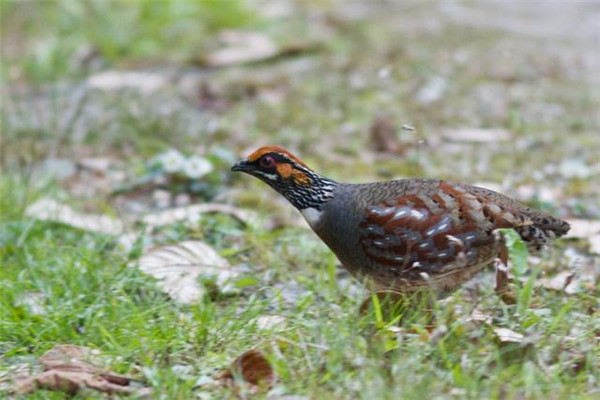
(503, 93)
(117, 115)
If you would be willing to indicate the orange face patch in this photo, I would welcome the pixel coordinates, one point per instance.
(273, 149)
(284, 170)
(300, 177)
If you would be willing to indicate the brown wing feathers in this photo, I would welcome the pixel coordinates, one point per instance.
(432, 229)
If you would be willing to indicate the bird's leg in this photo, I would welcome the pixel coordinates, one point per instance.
(503, 288)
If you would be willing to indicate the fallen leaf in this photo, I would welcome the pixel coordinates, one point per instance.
(14, 373)
(208, 99)
(474, 135)
(70, 368)
(583, 228)
(145, 82)
(505, 335)
(191, 213)
(586, 229)
(252, 367)
(51, 210)
(178, 267)
(97, 164)
(72, 382)
(560, 282)
(581, 277)
(383, 135)
(242, 47)
(478, 317)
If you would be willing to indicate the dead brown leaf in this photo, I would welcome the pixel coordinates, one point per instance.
(178, 267)
(70, 368)
(383, 135)
(51, 210)
(252, 367)
(208, 99)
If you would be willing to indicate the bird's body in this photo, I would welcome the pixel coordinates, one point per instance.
(403, 235)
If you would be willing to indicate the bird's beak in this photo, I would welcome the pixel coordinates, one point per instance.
(242, 165)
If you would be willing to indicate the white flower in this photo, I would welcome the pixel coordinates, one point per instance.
(195, 167)
(171, 161)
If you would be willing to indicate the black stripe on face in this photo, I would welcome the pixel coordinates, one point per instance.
(280, 158)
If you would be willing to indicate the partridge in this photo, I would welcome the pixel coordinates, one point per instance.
(403, 235)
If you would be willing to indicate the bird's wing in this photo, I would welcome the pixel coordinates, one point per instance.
(430, 232)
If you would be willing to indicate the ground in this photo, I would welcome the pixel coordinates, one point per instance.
(95, 95)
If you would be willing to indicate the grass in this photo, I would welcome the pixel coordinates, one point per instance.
(61, 285)
(92, 298)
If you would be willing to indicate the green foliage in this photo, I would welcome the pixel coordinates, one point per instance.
(517, 251)
(61, 34)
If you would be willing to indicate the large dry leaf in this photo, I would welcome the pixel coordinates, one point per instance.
(191, 213)
(473, 135)
(178, 267)
(51, 210)
(70, 368)
(253, 368)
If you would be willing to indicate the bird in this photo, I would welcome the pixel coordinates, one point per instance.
(406, 235)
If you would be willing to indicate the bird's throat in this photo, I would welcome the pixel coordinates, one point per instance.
(312, 216)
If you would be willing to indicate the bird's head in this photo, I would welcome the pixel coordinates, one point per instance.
(288, 175)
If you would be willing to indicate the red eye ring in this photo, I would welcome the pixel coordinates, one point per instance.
(267, 162)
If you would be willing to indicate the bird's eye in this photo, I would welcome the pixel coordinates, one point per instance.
(267, 162)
